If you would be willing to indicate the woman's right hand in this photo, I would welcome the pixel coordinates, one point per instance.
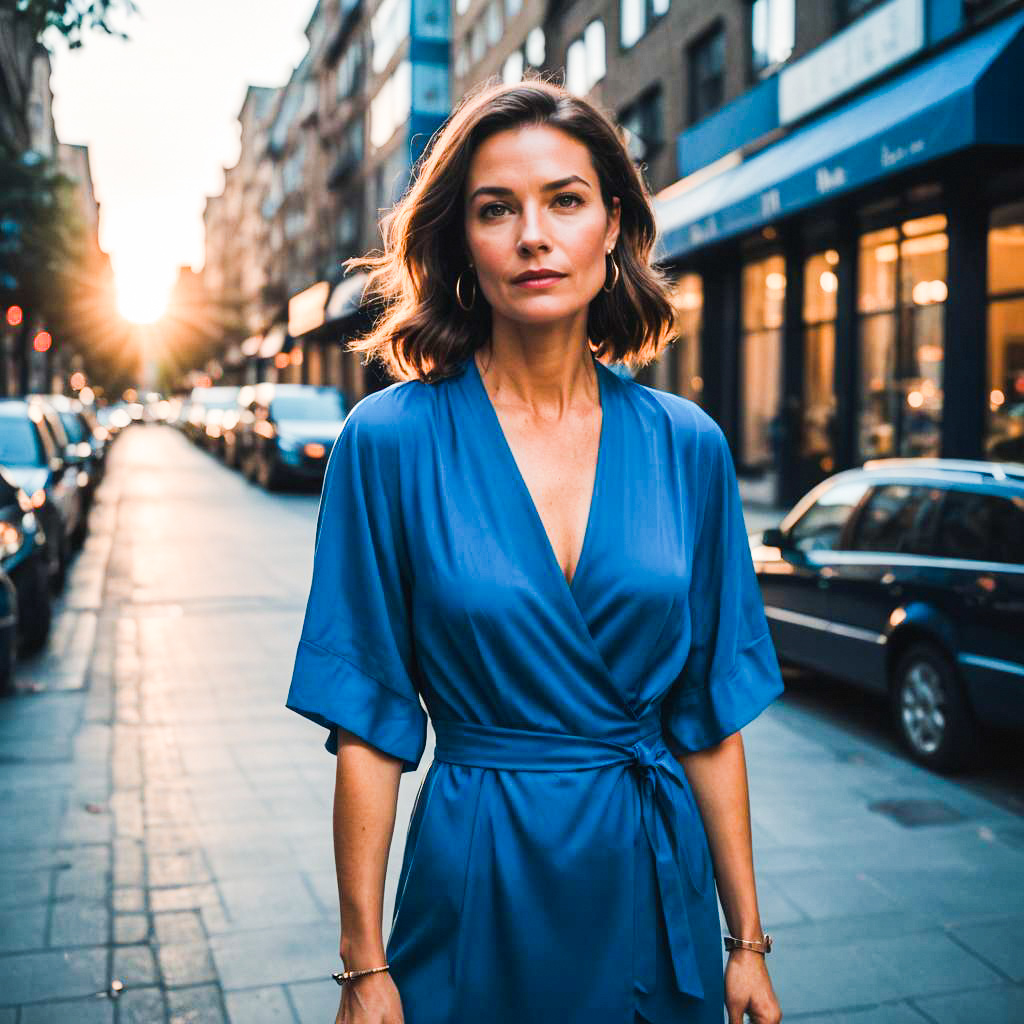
(371, 999)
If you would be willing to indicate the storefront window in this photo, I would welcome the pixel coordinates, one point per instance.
(1005, 429)
(820, 288)
(900, 300)
(764, 293)
(688, 304)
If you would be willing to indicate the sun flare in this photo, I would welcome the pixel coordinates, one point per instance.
(142, 294)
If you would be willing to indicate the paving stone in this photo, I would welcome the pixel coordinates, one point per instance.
(275, 956)
(181, 926)
(177, 869)
(23, 888)
(259, 1006)
(57, 974)
(1004, 1005)
(130, 928)
(188, 963)
(22, 929)
(135, 966)
(315, 1002)
(183, 897)
(199, 1005)
(78, 1011)
(996, 942)
(130, 900)
(141, 1006)
(79, 923)
(888, 1013)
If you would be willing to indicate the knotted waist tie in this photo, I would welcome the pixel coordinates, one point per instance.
(643, 747)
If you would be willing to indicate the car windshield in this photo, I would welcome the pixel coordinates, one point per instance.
(317, 405)
(73, 427)
(19, 445)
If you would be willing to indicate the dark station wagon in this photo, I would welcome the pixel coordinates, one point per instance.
(906, 577)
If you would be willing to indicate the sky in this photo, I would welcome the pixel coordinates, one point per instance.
(159, 115)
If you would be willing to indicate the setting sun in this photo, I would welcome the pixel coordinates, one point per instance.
(142, 293)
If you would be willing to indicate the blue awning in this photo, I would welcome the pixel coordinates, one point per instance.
(971, 94)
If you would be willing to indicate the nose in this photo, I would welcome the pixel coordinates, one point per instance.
(532, 235)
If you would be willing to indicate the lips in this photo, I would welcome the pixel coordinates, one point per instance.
(539, 275)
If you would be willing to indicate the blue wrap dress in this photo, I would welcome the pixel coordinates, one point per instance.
(556, 867)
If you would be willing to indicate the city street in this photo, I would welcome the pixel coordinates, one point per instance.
(166, 853)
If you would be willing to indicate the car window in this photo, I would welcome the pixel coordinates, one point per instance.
(898, 518)
(820, 527)
(318, 405)
(986, 527)
(73, 426)
(19, 445)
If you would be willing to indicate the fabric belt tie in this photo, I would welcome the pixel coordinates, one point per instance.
(641, 746)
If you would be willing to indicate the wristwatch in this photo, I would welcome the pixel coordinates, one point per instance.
(764, 946)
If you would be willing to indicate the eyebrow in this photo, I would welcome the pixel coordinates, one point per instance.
(498, 191)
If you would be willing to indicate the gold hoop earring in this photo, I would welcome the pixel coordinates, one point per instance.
(615, 279)
(458, 292)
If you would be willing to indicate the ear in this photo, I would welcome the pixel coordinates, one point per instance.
(614, 218)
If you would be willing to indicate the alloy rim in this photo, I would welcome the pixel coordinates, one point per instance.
(923, 707)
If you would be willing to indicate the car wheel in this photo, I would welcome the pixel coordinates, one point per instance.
(269, 475)
(930, 712)
(34, 613)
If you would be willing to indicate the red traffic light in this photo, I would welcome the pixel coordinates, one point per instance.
(42, 341)
(14, 316)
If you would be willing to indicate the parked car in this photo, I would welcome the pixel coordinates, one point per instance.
(291, 433)
(8, 632)
(80, 449)
(906, 577)
(23, 558)
(208, 406)
(31, 457)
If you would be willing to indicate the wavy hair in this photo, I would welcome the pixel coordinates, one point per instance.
(422, 331)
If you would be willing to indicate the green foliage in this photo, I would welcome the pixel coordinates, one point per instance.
(72, 18)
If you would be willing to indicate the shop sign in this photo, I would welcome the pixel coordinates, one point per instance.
(870, 45)
(306, 310)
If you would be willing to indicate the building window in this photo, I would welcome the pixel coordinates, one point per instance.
(392, 178)
(643, 121)
(390, 108)
(585, 60)
(534, 50)
(477, 41)
(512, 69)
(430, 88)
(707, 74)
(431, 19)
(461, 6)
(772, 28)
(512, 8)
(764, 299)
(687, 297)
(1004, 438)
(492, 21)
(636, 17)
(901, 306)
(348, 226)
(850, 10)
(389, 26)
(821, 285)
(350, 70)
(462, 58)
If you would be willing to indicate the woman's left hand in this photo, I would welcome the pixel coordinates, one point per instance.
(748, 989)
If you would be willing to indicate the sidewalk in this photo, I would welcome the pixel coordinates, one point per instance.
(167, 856)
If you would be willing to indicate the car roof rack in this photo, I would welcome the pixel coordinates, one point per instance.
(996, 470)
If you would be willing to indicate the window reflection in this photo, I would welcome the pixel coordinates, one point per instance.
(821, 285)
(901, 295)
(764, 294)
(688, 304)
(1005, 428)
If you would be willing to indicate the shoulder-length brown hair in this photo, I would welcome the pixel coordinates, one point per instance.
(423, 332)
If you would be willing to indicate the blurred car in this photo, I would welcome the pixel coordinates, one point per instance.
(23, 558)
(8, 632)
(906, 577)
(78, 458)
(290, 435)
(32, 459)
(114, 417)
(208, 405)
(80, 449)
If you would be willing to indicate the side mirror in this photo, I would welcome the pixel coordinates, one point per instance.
(773, 537)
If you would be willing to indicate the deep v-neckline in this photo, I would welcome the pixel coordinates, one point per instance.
(506, 449)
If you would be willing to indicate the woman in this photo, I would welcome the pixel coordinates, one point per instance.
(554, 558)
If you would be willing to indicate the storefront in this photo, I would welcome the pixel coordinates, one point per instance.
(856, 289)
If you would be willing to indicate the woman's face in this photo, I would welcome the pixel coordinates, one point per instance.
(516, 221)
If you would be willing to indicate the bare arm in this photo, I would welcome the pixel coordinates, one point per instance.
(365, 803)
(718, 778)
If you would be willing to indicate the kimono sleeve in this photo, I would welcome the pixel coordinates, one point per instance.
(354, 665)
(731, 673)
